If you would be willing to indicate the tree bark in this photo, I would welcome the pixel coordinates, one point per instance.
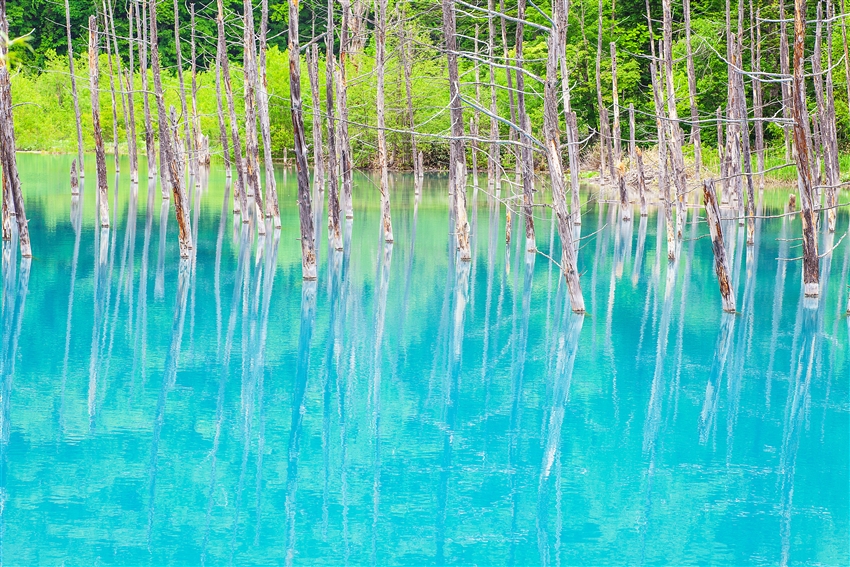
(406, 64)
(99, 150)
(572, 155)
(240, 200)
(112, 90)
(632, 145)
(527, 166)
(846, 54)
(616, 133)
(129, 79)
(342, 96)
(126, 96)
(552, 142)
(758, 94)
(150, 144)
(380, 57)
(74, 94)
(334, 232)
(312, 56)
(222, 125)
(811, 263)
(457, 153)
(785, 86)
(721, 268)
(641, 182)
(692, 93)
(826, 108)
(168, 147)
(600, 105)
(252, 152)
(625, 206)
(308, 252)
(677, 160)
(272, 206)
(7, 143)
(202, 149)
(187, 137)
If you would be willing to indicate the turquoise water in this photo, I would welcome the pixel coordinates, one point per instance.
(408, 408)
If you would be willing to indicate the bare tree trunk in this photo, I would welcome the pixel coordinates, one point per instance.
(380, 57)
(112, 89)
(334, 232)
(99, 150)
(75, 179)
(342, 96)
(603, 120)
(129, 78)
(511, 102)
(8, 160)
(811, 262)
(552, 142)
(493, 164)
(527, 166)
(677, 160)
(617, 132)
(201, 147)
(758, 94)
(641, 182)
(252, 152)
(7, 201)
(129, 123)
(150, 145)
(457, 153)
(784, 69)
(175, 177)
(572, 155)
(222, 125)
(313, 72)
(272, 206)
(846, 54)
(474, 127)
(745, 147)
(74, 91)
(721, 268)
(829, 135)
(632, 145)
(240, 200)
(187, 137)
(625, 206)
(308, 251)
(406, 64)
(692, 93)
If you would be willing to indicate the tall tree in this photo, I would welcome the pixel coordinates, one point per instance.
(380, 62)
(74, 91)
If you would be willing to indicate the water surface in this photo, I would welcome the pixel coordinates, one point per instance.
(409, 408)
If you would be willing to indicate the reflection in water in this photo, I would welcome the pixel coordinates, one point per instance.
(461, 415)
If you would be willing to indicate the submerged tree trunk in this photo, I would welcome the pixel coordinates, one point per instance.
(641, 182)
(342, 96)
(74, 94)
(222, 125)
(457, 153)
(721, 268)
(677, 161)
(524, 134)
(313, 72)
(308, 252)
(129, 78)
(272, 206)
(252, 152)
(406, 64)
(150, 145)
(616, 132)
(758, 93)
(12, 182)
(380, 57)
(811, 263)
(112, 89)
(99, 150)
(168, 147)
(201, 142)
(785, 86)
(553, 158)
(334, 231)
(240, 201)
(187, 137)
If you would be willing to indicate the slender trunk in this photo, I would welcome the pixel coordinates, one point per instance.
(721, 268)
(252, 152)
(129, 78)
(308, 252)
(272, 206)
(476, 115)
(632, 145)
(8, 161)
(745, 149)
(829, 134)
(641, 182)
(240, 201)
(811, 263)
(201, 147)
(600, 105)
(677, 160)
(112, 89)
(7, 202)
(168, 148)
(334, 232)
(457, 152)
(75, 179)
(572, 155)
(758, 94)
(406, 64)
(129, 123)
(150, 145)
(99, 150)
(527, 167)
(380, 57)
(187, 137)
(313, 72)
(512, 134)
(552, 142)
(222, 125)
(784, 69)
(844, 47)
(625, 206)
(76, 97)
(342, 95)
(692, 93)
(616, 133)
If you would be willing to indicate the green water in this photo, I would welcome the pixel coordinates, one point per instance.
(409, 408)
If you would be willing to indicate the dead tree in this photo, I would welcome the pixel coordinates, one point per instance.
(721, 268)
(112, 90)
(201, 142)
(132, 146)
(811, 262)
(222, 125)
(844, 46)
(572, 156)
(552, 142)
(825, 95)
(252, 152)
(457, 153)
(758, 93)
(616, 132)
(406, 64)
(692, 92)
(308, 252)
(99, 150)
(12, 182)
(745, 142)
(312, 56)
(127, 115)
(475, 121)
(641, 182)
(75, 180)
(342, 99)
(272, 206)
(677, 160)
(524, 135)
(625, 206)
(240, 201)
(632, 145)
(603, 120)
(784, 69)
(74, 92)
(168, 146)
(187, 137)
(380, 58)
(150, 145)
(334, 231)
